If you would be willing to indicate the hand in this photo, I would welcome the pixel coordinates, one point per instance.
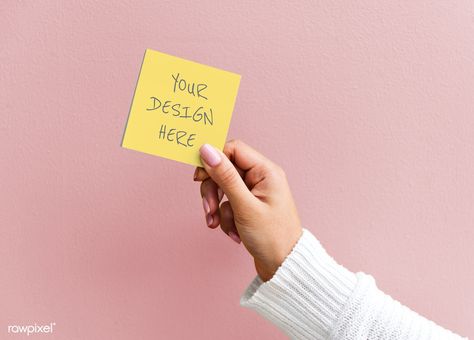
(260, 210)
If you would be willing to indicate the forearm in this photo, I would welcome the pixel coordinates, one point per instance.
(313, 297)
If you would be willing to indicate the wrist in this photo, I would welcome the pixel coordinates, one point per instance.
(266, 269)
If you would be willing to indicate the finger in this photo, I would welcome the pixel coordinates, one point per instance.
(223, 172)
(210, 202)
(256, 166)
(244, 156)
(208, 190)
(209, 193)
(215, 221)
(200, 175)
(227, 221)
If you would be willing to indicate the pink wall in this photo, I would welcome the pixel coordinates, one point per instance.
(368, 106)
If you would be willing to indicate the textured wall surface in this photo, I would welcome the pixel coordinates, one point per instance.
(368, 105)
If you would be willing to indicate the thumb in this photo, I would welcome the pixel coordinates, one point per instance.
(223, 172)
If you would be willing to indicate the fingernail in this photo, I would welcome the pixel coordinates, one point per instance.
(234, 237)
(210, 155)
(209, 219)
(195, 174)
(205, 205)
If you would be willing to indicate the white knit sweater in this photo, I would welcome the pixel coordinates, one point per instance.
(313, 297)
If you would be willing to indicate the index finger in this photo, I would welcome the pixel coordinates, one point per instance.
(244, 156)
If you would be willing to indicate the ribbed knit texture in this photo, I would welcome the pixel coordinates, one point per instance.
(311, 296)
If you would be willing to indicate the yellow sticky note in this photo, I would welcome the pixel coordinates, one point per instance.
(178, 106)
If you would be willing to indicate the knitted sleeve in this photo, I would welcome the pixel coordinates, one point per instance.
(313, 297)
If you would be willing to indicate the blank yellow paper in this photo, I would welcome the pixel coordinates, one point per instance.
(178, 106)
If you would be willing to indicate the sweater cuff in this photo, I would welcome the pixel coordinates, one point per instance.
(307, 293)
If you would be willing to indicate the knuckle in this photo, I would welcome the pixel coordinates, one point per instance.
(279, 172)
(229, 147)
(238, 142)
(235, 143)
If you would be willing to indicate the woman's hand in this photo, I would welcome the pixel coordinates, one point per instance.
(260, 210)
